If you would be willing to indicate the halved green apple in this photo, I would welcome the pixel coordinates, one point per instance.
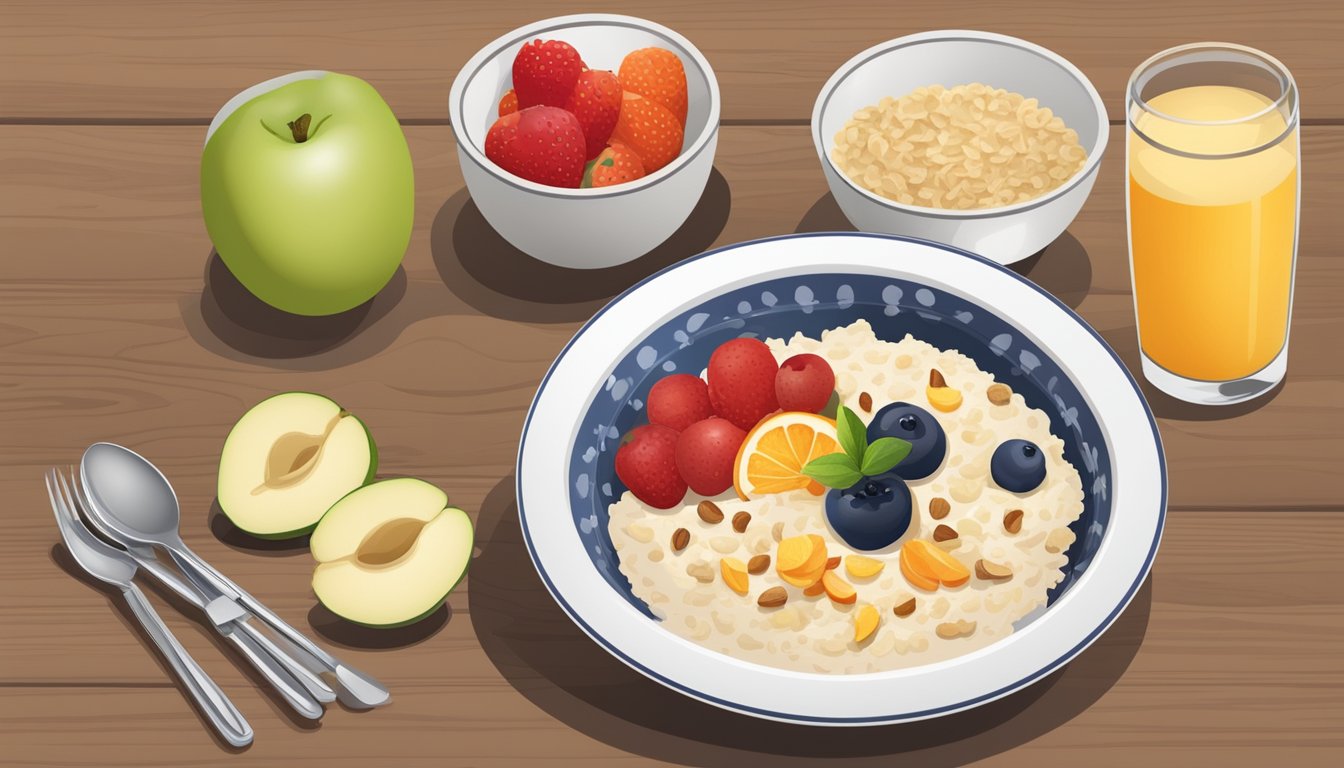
(389, 553)
(288, 460)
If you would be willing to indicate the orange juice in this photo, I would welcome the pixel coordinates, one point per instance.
(1212, 238)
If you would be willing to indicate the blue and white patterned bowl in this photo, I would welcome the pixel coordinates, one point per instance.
(672, 321)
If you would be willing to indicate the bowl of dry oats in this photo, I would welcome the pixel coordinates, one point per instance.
(978, 140)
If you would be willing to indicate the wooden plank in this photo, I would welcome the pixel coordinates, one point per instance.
(1229, 653)
(182, 60)
(106, 333)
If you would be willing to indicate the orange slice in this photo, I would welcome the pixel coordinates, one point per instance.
(773, 455)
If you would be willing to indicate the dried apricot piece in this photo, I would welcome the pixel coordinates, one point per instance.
(934, 562)
(839, 590)
(734, 574)
(810, 570)
(915, 574)
(860, 567)
(865, 622)
(793, 553)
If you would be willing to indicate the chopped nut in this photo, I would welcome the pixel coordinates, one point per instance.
(988, 570)
(944, 533)
(1012, 522)
(950, 630)
(832, 563)
(741, 520)
(773, 597)
(709, 512)
(999, 394)
(939, 507)
(936, 378)
(680, 538)
(758, 565)
(777, 532)
(905, 609)
(866, 401)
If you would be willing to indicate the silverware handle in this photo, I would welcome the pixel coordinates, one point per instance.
(280, 679)
(223, 716)
(317, 689)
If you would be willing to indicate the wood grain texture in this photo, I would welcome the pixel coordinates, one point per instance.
(183, 60)
(1230, 653)
(105, 319)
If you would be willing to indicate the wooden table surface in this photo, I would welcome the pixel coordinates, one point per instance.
(117, 323)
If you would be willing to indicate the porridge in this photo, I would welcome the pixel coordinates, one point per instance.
(969, 146)
(891, 566)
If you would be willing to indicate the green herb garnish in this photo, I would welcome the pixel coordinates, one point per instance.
(859, 458)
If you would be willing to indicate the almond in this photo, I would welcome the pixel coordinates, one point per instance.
(741, 520)
(709, 512)
(1012, 522)
(988, 570)
(936, 378)
(680, 538)
(905, 609)
(999, 394)
(773, 597)
(832, 563)
(944, 533)
(758, 565)
(866, 402)
(939, 507)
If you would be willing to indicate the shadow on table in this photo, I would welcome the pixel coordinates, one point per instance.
(229, 321)
(1125, 342)
(1062, 268)
(200, 624)
(351, 635)
(485, 271)
(551, 662)
(236, 538)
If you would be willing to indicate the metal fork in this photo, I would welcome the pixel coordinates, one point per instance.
(110, 565)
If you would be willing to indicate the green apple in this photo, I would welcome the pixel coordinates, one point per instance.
(389, 553)
(288, 460)
(308, 191)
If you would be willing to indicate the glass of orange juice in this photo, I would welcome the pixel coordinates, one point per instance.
(1212, 159)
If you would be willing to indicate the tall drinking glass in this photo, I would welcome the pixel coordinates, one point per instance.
(1212, 159)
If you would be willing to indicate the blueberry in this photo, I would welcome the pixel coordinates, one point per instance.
(871, 514)
(1018, 466)
(928, 444)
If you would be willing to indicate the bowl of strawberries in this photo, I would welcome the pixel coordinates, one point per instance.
(586, 140)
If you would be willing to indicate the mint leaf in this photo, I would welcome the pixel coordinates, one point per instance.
(851, 434)
(883, 454)
(834, 470)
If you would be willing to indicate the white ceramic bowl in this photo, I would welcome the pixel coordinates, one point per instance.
(584, 228)
(953, 57)
(596, 391)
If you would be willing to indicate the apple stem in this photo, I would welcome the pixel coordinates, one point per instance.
(299, 127)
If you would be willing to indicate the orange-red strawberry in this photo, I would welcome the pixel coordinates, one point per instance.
(541, 144)
(616, 164)
(544, 73)
(508, 103)
(646, 127)
(596, 101)
(658, 74)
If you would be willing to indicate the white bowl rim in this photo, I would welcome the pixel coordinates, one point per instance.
(963, 35)
(474, 64)
(1122, 562)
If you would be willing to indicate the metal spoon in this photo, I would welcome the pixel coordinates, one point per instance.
(133, 499)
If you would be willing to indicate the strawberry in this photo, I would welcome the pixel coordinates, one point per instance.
(679, 400)
(646, 127)
(742, 381)
(657, 74)
(544, 73)
(596, 102)
(541, 144)
(646, 464)
(706, 453)
(508, 103)
(616, 165)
